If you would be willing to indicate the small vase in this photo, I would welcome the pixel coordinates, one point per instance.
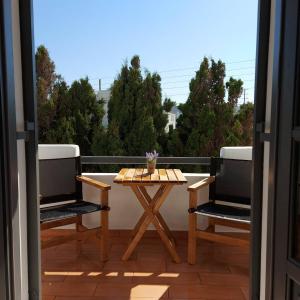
(151, 166)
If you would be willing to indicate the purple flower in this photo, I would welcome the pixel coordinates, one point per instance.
(151, 156)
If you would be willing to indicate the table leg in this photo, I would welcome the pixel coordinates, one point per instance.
(150, 201)
(138, 224)
(137, 238)
(152, 214)
(166, 228)
(168, 243)
(159, 216)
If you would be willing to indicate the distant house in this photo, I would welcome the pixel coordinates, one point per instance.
(172, 117)
(171, 121)
(105, 96)
(175, 110)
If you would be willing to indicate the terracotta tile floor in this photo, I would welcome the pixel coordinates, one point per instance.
(73, 271)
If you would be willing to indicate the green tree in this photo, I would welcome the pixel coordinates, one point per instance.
(125, 92)
(150, 104)
(235, 90)
(244, 117)
(143, 136)
(61, 129)
(45, 80)
(87, 114)
(207, 117)
(45, 73)
(54, 115)
(136, 108)
(108, 142)
(168, 104)
(66, 115)
(174, 144)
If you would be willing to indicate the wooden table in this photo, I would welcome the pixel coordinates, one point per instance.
(138, 180)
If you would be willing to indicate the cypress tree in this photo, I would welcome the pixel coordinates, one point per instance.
(87, 114)
(207, 117)
(45, 80)
(244, 118)
(168, 104)
(61, 129)
(136, 108)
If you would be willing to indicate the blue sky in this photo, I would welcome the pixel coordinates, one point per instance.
(94, 37)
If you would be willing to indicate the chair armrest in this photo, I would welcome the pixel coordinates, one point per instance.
(200, 184)
(98, 184)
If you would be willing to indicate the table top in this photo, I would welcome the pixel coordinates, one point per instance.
(141, 176)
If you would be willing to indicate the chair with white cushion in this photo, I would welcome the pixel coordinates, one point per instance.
(229, 199)
(61, 198)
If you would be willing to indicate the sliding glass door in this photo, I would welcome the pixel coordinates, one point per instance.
(8, 154)
(19, 211)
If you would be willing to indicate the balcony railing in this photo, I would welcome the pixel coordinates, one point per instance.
(140, 160)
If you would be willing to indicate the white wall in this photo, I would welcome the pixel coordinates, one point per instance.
(126, 210)
(105, 95)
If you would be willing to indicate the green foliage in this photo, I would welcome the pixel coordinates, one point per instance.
(86, 112)
(136, 113)
(108, 143)
(235, 90)
(207, 117)
(66, 115)
(45, 80)
(174, 144)
(245, 118)
(168, 104)
(45, 73)
(136, 108)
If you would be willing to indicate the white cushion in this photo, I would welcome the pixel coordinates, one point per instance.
(236, 152)
(54, 151)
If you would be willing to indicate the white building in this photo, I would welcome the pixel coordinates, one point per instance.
(105, 96)
(172, 117)
(171, 121)
(175, 110)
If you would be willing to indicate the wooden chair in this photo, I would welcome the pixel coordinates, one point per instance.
(229, 203)
(61, 198)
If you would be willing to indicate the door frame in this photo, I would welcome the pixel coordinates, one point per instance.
(8, 154)
(28, 67)
(9, 193)
(286, 60)
(31, 147)
(259, 138)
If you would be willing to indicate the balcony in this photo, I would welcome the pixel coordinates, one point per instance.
(74, 271)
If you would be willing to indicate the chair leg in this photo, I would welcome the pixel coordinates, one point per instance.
(104, 227)
(78, 230)
(211, 225)
(192, 237)
(79, 223)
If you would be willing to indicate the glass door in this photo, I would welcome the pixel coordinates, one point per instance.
(286, 247)
(16, 40)
(8, 154)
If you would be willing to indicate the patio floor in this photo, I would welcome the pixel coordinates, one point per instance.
(73, 270)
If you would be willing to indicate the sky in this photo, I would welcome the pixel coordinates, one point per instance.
(95, 37)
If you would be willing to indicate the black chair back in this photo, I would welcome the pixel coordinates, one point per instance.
(232, 180)
(58, 180)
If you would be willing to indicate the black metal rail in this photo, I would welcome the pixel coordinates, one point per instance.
(140, 160)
